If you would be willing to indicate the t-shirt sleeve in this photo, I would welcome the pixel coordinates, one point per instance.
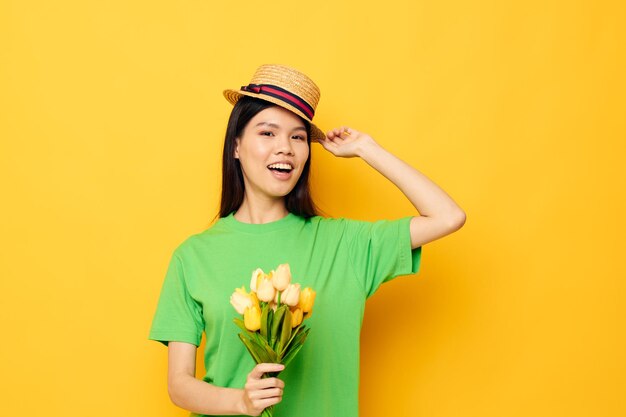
(178, 317)
(381, 251)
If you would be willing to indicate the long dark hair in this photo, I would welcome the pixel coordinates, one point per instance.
(298, 201)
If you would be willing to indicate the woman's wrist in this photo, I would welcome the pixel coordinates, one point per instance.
(368, 149)
(240, 405)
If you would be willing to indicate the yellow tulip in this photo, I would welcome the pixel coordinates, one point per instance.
(254, 298)
(281, 277)
(252, 318)
(307, 298)
(265, 289)
(241, 300)
(296, 317)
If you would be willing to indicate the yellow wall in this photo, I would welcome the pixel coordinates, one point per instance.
(111, 122)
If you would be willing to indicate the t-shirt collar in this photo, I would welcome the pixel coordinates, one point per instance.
(231, 222)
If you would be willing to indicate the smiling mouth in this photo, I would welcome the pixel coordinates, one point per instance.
(286, 168)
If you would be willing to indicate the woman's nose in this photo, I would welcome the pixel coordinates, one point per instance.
(284, 145)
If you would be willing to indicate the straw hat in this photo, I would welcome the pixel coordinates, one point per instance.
(285, 87)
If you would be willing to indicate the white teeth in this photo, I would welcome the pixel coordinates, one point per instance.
(280, 166)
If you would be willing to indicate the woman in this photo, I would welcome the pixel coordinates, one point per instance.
(267, 218)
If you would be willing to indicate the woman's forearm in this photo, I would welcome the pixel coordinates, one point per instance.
(201, 397)
(426, 196)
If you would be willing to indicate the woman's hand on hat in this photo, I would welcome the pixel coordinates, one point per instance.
(346, 142)
(260, 393)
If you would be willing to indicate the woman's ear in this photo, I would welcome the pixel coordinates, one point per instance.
(236, 152)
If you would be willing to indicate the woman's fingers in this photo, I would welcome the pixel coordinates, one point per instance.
(266, 393)
(340, 132)
(264, 387)
(333, 133)
(260, 369)
(334, 140)
(262, 404)
(265, 383)
(329, 145)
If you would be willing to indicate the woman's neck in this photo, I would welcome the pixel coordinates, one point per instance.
(261, 212)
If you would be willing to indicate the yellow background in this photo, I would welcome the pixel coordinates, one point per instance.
(111, 125)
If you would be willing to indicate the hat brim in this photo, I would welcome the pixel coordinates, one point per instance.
(234, 95)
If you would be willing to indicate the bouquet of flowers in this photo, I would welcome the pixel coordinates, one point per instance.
(273, 314)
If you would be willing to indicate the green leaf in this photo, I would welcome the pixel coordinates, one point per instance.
(263, 354)
(248, 344)
(262, 343)
(293, 352)
(276, 321)
(264, 315)
(285, 333)
(270, 320)
(294, 333)
(291, 356)
(297, 341)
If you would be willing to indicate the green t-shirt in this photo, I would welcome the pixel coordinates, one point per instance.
(344, 261)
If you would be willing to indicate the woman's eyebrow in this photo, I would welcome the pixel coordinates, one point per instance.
(268, 124)
(274, 125)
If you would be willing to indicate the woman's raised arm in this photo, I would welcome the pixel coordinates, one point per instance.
(439, 214)
(200, 397)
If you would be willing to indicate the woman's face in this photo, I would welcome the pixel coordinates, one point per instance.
(272, 151)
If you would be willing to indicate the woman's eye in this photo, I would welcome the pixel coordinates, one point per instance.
(267, 133)
(299, 137)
